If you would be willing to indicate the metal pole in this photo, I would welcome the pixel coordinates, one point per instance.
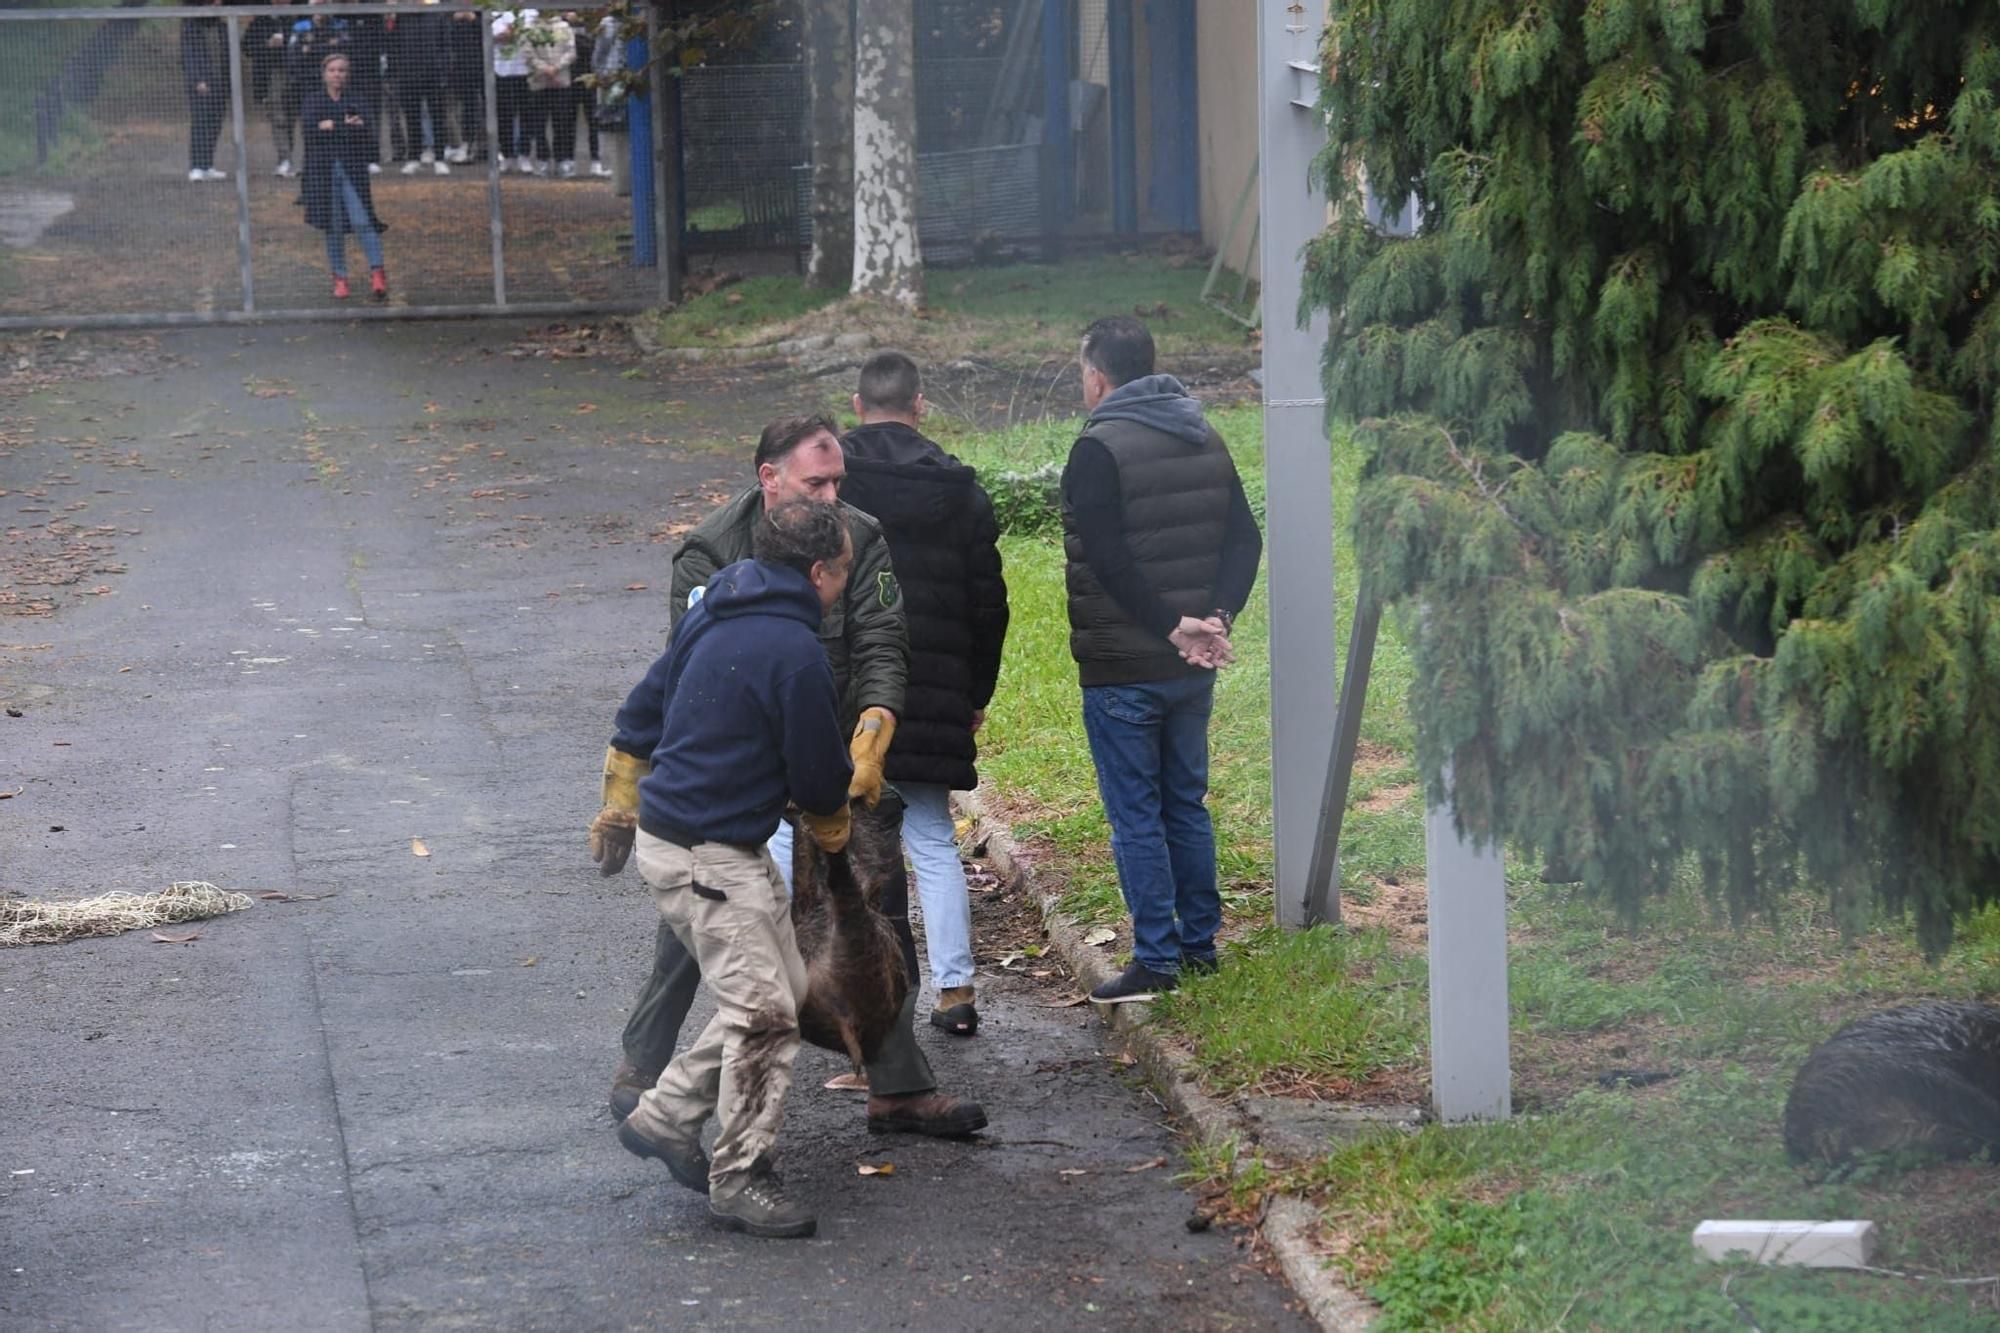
(1061, 177)
(1124, 118)
(666, 164)
(234, 30)
(1297, 459)
(493, 162)
(639, 142)
(1323, 877)
(1470, 1065)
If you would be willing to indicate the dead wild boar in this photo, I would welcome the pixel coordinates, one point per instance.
(1924, 1077)
(854, 961)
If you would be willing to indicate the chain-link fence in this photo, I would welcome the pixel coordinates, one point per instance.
(226, 162)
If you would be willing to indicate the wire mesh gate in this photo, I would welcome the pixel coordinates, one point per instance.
(151, 158)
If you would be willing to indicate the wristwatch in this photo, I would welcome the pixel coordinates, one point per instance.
(1228, 619)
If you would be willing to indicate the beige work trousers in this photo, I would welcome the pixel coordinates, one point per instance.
(730, 909)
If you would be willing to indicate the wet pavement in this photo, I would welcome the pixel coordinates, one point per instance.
(336, 596)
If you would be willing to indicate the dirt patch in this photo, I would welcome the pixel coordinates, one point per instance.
(1401, 908)
(1388, 798)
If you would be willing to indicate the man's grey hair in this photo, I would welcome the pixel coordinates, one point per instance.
(800, 534)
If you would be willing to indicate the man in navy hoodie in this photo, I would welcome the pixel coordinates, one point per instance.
(737, 718)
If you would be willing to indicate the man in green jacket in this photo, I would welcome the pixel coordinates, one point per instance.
(867, 645)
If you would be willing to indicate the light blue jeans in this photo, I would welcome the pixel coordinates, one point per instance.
(349, 215)
(930, 839)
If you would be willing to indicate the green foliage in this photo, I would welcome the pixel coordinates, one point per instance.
(1680, 425)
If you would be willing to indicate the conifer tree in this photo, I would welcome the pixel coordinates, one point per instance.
(1681, 429)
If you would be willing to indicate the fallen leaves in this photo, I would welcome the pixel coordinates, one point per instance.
(635, 587)
(417, 847)
(871, 1169)
(187, 937)
(280, 896)
(1101, 936)
(1150, 1164)
(10, 795)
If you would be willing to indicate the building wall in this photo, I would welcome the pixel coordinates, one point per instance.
(1226, 33)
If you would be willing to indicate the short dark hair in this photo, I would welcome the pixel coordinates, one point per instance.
(788, 433)
(889, 383)
(800, 534)
(1119, 348)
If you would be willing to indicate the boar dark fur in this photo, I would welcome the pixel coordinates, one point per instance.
(854, 962)
(1922, 1078)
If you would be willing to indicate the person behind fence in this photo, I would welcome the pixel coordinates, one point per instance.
(944, 544)
(466, 72)
(607, 112)
(1161, 551)
(367, 44)
(866, 643)
(264, 56)
(510, 88)
(577, 99)
(313, 37)
(419, 63)
(737, 717)
(205, 69)
(551, 47)
(339, 137)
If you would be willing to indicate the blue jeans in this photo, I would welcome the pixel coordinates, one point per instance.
(1149, 743)
(349, 215)
(932, 842)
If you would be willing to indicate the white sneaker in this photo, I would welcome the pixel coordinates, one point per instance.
(410, 168)
(285, 168)
(374, 168)
(211, 174)
(599, 169)
(526, 166)
(440, 169)
(504, 166)
(195, 174)
(461, 154)
(427, 157)
(566, 169)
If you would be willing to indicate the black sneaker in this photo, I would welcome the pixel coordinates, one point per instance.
(686, 1162)
(1137, 982)
(760, 1207)
(1200, 964)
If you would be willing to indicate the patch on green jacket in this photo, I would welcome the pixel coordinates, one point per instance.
(886, 589)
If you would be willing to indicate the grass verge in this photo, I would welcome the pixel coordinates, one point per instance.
(1578, 1212)
(1011, 313)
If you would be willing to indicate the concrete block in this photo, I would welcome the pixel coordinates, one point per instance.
(1801, 1244)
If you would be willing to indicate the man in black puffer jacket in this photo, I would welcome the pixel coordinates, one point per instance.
(943, 542)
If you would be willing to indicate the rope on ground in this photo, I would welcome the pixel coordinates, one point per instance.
(38, 921)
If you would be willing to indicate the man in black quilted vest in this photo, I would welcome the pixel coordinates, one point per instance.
(1161, 552)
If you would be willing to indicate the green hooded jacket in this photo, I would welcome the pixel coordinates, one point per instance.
(866, 639)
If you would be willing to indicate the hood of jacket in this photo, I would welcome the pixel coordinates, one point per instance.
(902, 479)
(1158, 401)
(754, 588)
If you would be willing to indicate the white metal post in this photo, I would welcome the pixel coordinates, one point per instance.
(1297, 460)
(1470, 1067)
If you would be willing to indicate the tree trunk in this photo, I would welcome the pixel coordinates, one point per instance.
(887, 264)
(830, 100)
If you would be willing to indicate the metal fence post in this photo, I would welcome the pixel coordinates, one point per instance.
(493, 160)
(232, 27)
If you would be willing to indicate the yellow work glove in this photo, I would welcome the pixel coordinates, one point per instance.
(616, 827)
(829, 831)
(870, 745)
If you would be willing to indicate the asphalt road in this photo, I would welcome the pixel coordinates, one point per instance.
(367, 588)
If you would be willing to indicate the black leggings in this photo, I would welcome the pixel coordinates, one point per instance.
(516, 120)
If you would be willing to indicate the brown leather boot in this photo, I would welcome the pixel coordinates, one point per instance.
(628, 1082)
(955, 1012)
(938, 1114)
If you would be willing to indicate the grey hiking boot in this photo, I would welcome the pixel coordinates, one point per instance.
(686, 1162)
(760, 1206)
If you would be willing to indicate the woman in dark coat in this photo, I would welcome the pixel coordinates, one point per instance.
(205, 68)
(340, 138)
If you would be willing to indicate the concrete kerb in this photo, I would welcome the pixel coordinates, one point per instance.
(1287, 1223)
